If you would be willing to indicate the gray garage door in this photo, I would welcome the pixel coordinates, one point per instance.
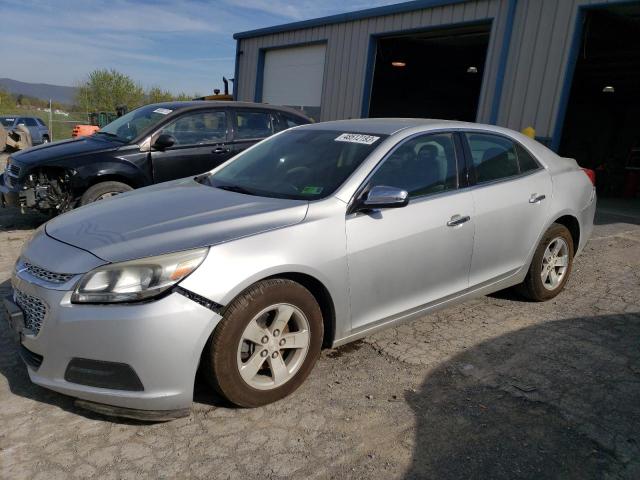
(293, 77)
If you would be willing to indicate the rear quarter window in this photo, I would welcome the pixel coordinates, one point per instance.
(525, 160)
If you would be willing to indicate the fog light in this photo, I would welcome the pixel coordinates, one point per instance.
(98, 373)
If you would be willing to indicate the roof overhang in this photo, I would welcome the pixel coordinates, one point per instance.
(348, 17)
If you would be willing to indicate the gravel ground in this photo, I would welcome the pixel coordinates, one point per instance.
(496, 388)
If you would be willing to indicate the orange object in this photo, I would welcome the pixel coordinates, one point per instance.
(84, 130)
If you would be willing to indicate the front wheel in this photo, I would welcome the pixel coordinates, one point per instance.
(266, 345)
(103, 190)
(551, 265)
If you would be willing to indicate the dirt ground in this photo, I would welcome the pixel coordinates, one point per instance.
(496, 388)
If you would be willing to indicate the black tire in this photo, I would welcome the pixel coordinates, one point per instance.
(220, 357)
(533, 287)
(45, 139)
(99, 190)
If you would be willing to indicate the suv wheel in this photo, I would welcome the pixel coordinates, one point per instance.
(266, 345)
(103, 190)
(551, 265)
(45, 139)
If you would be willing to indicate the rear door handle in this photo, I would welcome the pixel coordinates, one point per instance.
(535, 198)
(220, 150)
(458, 220)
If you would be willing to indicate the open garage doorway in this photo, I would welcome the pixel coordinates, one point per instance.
(601, 128)
(434, 74)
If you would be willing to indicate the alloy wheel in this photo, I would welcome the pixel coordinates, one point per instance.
(273, 346)
(555, 262)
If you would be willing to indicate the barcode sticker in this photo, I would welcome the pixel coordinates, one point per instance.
(357, 138)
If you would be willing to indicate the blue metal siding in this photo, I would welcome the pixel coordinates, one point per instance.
(528, 70)
(347, 57)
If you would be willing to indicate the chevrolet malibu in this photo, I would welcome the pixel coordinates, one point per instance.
(316, 236)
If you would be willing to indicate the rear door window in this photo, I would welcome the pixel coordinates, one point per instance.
(253, 124)
(290, 121)
(198, 128)
(494, 157)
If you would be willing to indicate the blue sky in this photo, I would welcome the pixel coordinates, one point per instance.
(178, 45)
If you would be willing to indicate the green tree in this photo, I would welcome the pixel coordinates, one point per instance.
(182, 96)
(105, 89)
(6, 100)
(157, 95)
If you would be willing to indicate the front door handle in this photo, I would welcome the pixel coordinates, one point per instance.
(220, 150)
(458, 220)
(535, 198)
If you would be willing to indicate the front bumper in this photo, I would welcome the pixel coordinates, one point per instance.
(8, 196)
(160, 340)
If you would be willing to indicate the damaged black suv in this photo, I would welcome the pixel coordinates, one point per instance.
(151, 144)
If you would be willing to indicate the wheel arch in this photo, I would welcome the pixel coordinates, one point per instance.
(318, 290)
(322, 296)
(113, 177)
(573, 225)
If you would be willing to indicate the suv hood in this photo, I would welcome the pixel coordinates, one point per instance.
(63, 149)
(170, 217)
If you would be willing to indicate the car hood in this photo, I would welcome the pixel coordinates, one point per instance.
(170, 217)
(63, 149)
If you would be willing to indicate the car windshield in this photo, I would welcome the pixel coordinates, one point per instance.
(7, 121)
(297, 164)
(134, 123)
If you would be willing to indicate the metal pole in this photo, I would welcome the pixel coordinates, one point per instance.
(50, 120)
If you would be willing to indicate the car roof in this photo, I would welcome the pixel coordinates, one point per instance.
(197, 104)
(390, 126)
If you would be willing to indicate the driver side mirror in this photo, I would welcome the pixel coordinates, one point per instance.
(382, 196)
(164, 141)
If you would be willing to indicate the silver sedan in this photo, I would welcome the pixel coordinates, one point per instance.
(314, 237)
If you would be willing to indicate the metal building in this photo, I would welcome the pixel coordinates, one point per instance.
(568, 68)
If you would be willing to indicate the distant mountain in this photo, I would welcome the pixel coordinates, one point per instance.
(44, 91)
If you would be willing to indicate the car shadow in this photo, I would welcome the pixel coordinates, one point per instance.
(12, 219)
(556, 400)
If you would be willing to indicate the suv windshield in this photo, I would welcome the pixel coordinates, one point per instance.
(297, 164)
(129, 126)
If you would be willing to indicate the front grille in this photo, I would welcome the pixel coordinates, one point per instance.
(14, 170)
(33, 308)
(46, 275)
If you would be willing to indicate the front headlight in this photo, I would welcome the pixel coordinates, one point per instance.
(137, 279)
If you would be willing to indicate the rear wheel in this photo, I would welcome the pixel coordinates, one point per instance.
(551, 265)
(266, 345)
(45, 139)
(103, 190)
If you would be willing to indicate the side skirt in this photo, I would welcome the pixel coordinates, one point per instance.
(507, 280)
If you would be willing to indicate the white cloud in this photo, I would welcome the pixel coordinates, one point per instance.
(180, 45)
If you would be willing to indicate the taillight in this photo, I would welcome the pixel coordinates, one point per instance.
(591, 174)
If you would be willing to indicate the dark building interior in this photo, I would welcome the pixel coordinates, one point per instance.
(602, 123)
(435, 74)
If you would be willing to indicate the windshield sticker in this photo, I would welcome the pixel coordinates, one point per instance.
(357, 138)
(162, 111)
(311, 190)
